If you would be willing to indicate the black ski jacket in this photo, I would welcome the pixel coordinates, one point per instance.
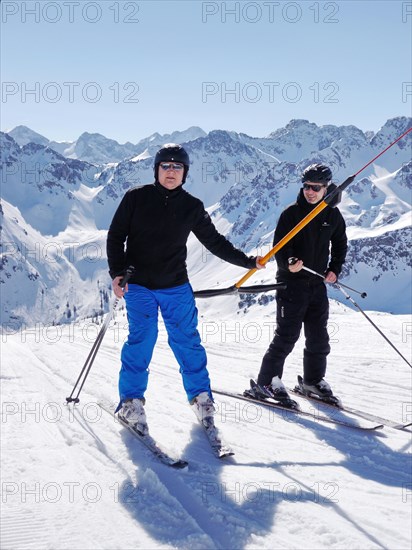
(155, 224)
(322, 244)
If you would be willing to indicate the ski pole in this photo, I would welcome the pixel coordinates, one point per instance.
(362, 294)
(332, 199)
(291, 261)
(93, 352)
(371, 322)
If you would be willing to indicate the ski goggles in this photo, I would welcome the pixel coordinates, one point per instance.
(315, 188)
(171, 166)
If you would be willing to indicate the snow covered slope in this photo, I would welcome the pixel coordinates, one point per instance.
(76, 479)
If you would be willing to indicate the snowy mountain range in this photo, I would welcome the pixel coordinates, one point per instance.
(98, 149)
(58, 201)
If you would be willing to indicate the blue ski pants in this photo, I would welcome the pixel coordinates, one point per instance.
(178, 309)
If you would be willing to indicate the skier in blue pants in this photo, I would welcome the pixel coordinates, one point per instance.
(180, 317)
(149, 231)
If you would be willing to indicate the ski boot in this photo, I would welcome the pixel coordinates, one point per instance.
(133, 414)
(320, 390)
(275, 390)
(204, 409)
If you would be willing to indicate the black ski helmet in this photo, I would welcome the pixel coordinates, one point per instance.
(172, 152)
(317, 173)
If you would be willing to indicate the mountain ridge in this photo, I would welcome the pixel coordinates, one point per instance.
(56, 210)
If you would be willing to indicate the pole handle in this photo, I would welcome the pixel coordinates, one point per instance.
(127, 275)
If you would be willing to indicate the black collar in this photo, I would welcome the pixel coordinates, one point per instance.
(169, 193)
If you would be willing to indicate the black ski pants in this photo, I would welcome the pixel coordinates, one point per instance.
(303, 302)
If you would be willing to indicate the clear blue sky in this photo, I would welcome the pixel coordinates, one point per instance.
(128, 69)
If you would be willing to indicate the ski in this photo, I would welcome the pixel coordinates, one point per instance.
(149, 442)
(219, 447)
(293, 411)
(297, 390)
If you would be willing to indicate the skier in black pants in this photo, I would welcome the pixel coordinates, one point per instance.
(320, 246)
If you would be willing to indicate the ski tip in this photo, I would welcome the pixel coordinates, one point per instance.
(179, 464)
(402, 427)
(226, 454)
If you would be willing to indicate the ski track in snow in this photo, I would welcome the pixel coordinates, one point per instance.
(74, 478)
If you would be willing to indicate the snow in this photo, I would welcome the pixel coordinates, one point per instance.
(73, 478)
